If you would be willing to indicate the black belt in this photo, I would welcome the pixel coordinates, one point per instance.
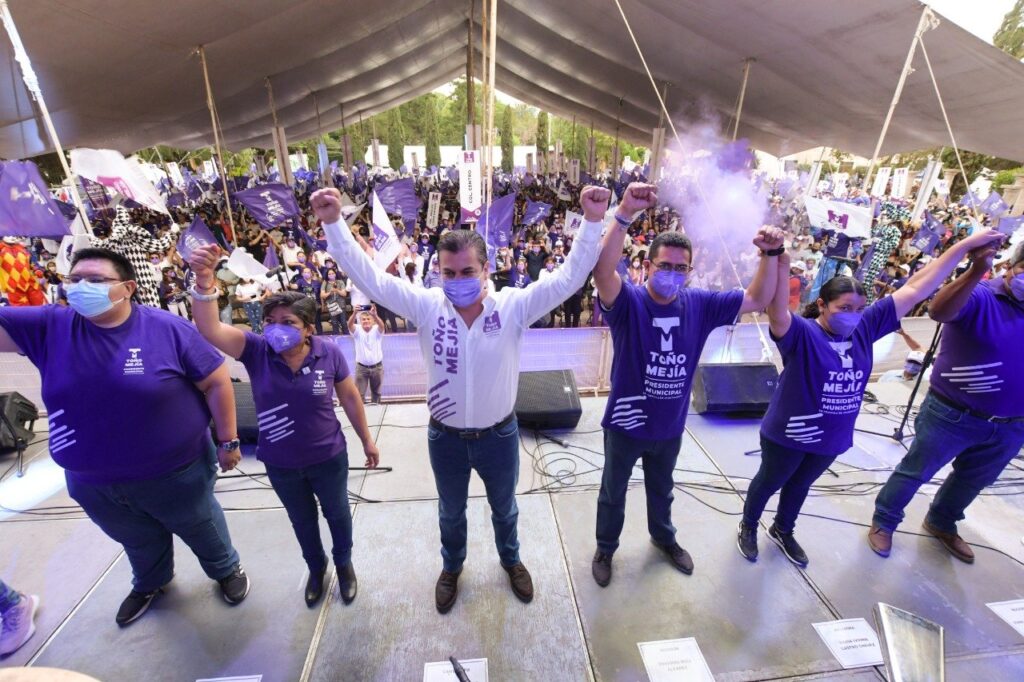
(370, 366)
(472, 434)
(974, 413)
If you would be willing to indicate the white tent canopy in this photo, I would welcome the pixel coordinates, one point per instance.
(122, 74)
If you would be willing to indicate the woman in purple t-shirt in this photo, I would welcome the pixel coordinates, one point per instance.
(827, 359)
(294, 374)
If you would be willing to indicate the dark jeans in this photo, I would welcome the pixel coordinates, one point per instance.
(979, 450)
(791, 471)
(143, 515)
(573, 309)
(338, 324)
(621, 453)
(495, 457)
(388, 318)
(8, 596)
(299, 489)
(372, 377)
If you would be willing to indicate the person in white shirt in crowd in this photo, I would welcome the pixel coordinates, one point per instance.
(290, 251)
(249, 293)
(908, 374)
(369, 350)
(415, 258)
(470, 341)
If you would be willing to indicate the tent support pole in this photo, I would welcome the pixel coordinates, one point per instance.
(470, 98)
(923, 24)
(743, 93)
(28, 75)
(216, 141)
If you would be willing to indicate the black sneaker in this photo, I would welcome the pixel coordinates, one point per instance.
(789, 546)
(680, 557)
(347, 583)
(133, 606)
(601, 568)
(746, 541)
(235, 586)
(446, 591)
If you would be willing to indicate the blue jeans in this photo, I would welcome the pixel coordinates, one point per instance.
(254, 311)
(791, 471)
(979, 450)
(143, 515)
(299, 490)
(659, 461)
(495, 457)
(8, 596)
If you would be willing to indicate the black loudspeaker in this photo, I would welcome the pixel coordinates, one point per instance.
(21, 414)
(734, 387)
(548, 400)
(245, 411)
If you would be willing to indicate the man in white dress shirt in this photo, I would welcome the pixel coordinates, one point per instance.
(470, 340)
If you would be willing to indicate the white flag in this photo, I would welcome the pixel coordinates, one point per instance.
(852, 220)
(385, 241)
(572, 223)
(71, 243)
(900, 182)
(245, 266)
(124, 176)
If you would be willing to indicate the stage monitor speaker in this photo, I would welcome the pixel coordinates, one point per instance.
(245, 409)
(548, 400)
(734, 387)
(21, 414)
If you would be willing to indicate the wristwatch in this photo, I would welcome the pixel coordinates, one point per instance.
(230, 445)
(194, 293)
(774, 252)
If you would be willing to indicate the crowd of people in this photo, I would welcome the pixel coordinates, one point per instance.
(142, 465)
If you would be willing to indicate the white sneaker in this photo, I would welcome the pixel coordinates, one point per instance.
(18, 626)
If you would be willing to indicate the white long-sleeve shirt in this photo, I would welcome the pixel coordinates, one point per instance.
(472, 371)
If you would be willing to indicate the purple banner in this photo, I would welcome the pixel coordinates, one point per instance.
(197, 235)
(270, 205)
(535, 212)
(399, 197)
(1010, 225)
(26, 207)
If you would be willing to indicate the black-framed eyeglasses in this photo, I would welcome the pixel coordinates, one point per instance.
(681, 268)
(92, 279)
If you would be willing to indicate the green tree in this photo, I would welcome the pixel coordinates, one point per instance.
(542, 132)
(507, 139)
(1010, 36)
(433, 138)
(395, 138)
(973, 164)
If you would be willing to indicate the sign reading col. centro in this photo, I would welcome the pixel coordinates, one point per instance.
(470, 190)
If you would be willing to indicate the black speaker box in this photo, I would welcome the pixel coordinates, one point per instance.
(22, 414)
(548, 400)
(734, 387)
(245, 410)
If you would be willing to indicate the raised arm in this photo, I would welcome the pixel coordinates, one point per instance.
(761, 291)
(224, 337)
(637, 197)
(398, 295)
(779, 317)
(538, 299)
(980, 246)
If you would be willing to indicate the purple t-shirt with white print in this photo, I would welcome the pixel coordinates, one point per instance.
(121, 402)
(295, 410)
(657, 348)
(979, 364)
(818, 398)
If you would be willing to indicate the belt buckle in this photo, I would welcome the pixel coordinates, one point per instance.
(470, 435)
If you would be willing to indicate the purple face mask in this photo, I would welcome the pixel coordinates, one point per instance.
(1017, 287)
(282, 337)
(843, 324)
(667, 284)
(462, 291)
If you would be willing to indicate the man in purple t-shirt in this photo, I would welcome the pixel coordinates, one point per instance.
(129, 391)
(658, 332)
(974, 413)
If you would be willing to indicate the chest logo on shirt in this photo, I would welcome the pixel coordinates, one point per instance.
(975, 378)
(843, 389)
(842, 349)
(319, 385)
(133, 364)
(445, 336)
(492, 324)
(666, 325)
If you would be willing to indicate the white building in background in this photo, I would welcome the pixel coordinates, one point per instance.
(775, 166)
(449, 155)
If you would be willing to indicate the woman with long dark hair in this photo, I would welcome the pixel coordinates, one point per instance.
(827, 360)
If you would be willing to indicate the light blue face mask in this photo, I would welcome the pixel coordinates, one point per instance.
(90, 299)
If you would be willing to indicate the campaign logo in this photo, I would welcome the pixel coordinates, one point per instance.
(134, 364)
(842, 349)
(319, 384)
(666, 325)
(492, 324)
(119, 185)
(380, 238)
(838, 221)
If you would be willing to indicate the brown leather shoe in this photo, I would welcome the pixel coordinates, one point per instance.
(446, 591)
(956, 545)
(519, 579)
(880, 540)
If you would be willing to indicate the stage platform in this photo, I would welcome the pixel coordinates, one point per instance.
(751, 621)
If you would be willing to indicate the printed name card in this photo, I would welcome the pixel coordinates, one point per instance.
(851, 641)
(675, 660)
(1012, 612)
(442, 671)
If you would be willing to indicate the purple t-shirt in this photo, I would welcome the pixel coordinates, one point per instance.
(295, 410)
(979, 364)
(122, 402)
(656, 352)
(819, 394)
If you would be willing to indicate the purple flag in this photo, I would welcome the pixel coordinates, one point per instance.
(197, 235)
(535, 212)
(270, 204)
(271, 261)
(399, 197)
(927, 238)
(69, 211)
(994, 206)
(26, 207)
(969, 199)
(496, 222)
(95, 192)
(310, 242)
(1008, 225)
(175, 199)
